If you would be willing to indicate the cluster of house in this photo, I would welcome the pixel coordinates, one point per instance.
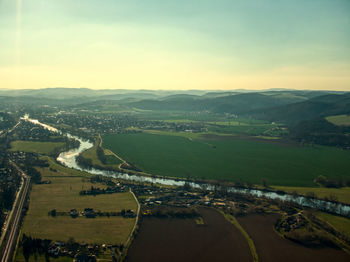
(88, 212)
(60, 249)
(128, 213)
(18, 156)
(185, 199)
(5, 173)
(292, 222)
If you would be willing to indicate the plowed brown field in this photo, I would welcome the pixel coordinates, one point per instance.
(182, 240)
(273, 248)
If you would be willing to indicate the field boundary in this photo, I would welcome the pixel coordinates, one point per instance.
(136, 220)
(131, 235)
(250, 241)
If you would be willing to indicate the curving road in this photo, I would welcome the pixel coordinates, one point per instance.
(9, 238)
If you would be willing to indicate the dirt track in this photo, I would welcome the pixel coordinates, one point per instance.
(183, 240)
(273, 248)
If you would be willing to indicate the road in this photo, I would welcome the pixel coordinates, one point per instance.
(15, 126)
(4, 132)
(136, 220)
(9, 238)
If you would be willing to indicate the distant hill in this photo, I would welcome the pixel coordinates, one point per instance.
(316, 107)
(236, 104)
(274, 105)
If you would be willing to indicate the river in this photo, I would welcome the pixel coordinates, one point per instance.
(69, 159)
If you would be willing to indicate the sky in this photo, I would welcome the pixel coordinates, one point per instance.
(182, 44)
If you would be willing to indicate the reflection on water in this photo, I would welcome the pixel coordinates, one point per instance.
(69, 159)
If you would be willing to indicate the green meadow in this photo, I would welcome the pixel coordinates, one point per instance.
(36, 147)
(63, 195)
(229, 158)
(342, 224)
(340, 120)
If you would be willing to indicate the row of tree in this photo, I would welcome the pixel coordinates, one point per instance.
(332, 183)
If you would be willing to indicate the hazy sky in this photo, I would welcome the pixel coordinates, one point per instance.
(177, 44)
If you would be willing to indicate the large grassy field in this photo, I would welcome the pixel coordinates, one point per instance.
(342, 194)
(230, 158)
(342, 224)
(91, 153)
(63, 194)
(36, 147)
(340, 120)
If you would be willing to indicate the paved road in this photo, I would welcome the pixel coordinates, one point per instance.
(12, 227)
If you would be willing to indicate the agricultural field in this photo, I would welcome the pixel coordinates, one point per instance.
(339, 120)
(342, 224)
(175, 239)
(91, 154)
(36, 147)
(271, 247)
(248, 129)
(63, 194)
(229, 158)
(110, 159)
(342, 194)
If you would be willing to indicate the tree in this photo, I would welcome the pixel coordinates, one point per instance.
(187, 186)
(26, 247)
(35, 174)
(53, 212)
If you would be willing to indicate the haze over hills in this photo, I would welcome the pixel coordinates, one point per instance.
(288, 106)
(315, 107)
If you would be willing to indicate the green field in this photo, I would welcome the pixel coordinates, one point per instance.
(63, 194)
(342, 224)
(339, 120)
(229, 158)
(251, 130)
(36, 147)
(91, 153)
(342, 194)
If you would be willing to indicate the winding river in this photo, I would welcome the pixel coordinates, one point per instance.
(69, 159)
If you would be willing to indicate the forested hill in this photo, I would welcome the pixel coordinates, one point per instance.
(236, 104)
(314, 108)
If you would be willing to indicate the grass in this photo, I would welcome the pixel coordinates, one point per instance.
(188, 135)
(342, 224)
(62, 171)
(339, 120)
(91, 153)
(246, 129)
(36, 147)
(229, 158)
(40, 258)
(343, 194)
(63, 194)
(250, 241)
